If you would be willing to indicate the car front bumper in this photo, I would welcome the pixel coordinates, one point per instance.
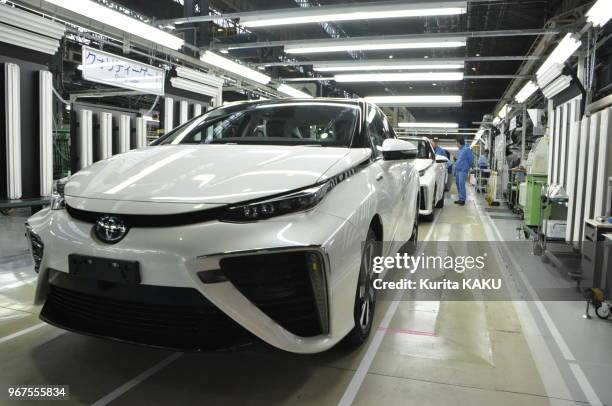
(182, 270)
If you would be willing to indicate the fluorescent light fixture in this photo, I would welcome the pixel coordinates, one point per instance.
(195, 87)
(26, 39)
(120, 21)
(216, 60)
(372, 44)
(527, 90)
(600, 13)
(352, 12)
(427, 125)
(416, 101)
(547, 76)
(399, 77)
(496, 120)
(292, 91)
(32, 22)
(568, 45)
(198, 76)
(12, 111)
(557, 86)
(374, 67)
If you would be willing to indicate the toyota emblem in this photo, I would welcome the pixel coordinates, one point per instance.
(110, 229)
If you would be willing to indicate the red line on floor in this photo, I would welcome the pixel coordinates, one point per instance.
(406, 331)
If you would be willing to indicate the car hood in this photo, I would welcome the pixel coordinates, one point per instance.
(209, 174)
(421, 164)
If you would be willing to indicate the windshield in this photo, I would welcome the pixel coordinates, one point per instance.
(320, 124)
(423, 151)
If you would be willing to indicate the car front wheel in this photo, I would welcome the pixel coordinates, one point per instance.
(365, 298)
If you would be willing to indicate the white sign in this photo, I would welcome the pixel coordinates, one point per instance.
(103, 67)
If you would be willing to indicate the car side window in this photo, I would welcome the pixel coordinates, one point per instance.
(376, 130)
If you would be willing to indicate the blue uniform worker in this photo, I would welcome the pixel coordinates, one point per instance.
(465, 159)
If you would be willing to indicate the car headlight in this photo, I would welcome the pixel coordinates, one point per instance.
(57, 197)
(298, 201)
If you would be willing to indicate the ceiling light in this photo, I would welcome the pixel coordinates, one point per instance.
(548, 75)
(195, 87)
(416, 101)
(380, 65)
(198, 76)
(428, 125)
(399, 77)
(116, 19)
(350, 13)
(236, 68)
(527, 90)
(370, 44)
(600, 13)
(292, 91)
(557, 86)
(496, 120)
(568, 45)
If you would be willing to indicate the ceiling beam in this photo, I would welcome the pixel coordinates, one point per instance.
(402, 61)
(407, 37)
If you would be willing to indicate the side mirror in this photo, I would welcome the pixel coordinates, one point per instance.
(394, 149)
(441, 159)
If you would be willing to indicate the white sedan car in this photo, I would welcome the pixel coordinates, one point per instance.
(260, 217)
(433, 173)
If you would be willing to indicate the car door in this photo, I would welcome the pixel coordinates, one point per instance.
(390, 177)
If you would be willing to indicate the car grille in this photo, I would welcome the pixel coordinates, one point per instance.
(170, 317)
(280, 285)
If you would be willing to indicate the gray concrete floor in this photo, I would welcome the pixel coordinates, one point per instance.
(424, 352)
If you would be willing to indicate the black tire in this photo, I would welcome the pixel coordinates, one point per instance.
(411, 245)
(365, 297)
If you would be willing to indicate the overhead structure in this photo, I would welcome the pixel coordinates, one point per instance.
(351, 12)
(399, 77)
(373, 44)
(526, 91)
(428, 125)
(105, 15)
(226, 64)
(386, 64)
(27, 30)
(292, 91)
(417, 101)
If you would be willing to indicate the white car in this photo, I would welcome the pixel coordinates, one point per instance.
(260, 217)
(433, 173)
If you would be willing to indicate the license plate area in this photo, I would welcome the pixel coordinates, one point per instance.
(104, 269)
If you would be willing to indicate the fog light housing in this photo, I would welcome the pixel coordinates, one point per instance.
(316, 271)
(37, 247)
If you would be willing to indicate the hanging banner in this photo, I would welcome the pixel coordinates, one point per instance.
(104, 67)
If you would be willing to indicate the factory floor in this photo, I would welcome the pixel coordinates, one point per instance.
(477, 352)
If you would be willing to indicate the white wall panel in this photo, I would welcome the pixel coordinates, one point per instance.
(184, 111)
(582, 157)
(551, 131)
(555, 149)
(45, 131)
(168, 114)
(139, 139)
(563, 144)
(571, 178)
(589, 196)
(84, 139)
(604, 162)
(12, 102)
(121, 143)
(197, 109)
(105, 136)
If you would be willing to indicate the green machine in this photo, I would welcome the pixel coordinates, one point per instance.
(529, 198)
(533, 200)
